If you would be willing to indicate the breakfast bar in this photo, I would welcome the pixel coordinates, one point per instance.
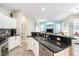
(53, 42)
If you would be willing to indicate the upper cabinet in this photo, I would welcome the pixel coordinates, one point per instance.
(7, 22)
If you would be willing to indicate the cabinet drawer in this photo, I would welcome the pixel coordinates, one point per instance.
(11, 40)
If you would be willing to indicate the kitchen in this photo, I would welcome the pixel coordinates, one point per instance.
(36, 36)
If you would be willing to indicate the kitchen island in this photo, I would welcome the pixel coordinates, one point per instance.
(53, 43)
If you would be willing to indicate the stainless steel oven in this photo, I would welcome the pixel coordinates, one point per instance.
(4, 48)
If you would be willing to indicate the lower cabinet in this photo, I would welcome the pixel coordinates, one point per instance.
(76, 50)
(13, 42)
(34, 46)
(75, 47)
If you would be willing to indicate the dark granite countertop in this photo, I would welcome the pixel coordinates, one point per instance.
(51, 45)
(60, 36)
(51, 42)
(56, 35)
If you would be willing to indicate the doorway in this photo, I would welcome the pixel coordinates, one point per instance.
(24, 32)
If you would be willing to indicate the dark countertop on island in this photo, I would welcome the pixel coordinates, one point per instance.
(53, 45)
(56, 35)
(48, 45)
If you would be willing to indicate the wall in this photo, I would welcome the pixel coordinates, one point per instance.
(18, 14)
(55, 25)
(67, 25)
(5, 10)
(31, 25)
(19, 18)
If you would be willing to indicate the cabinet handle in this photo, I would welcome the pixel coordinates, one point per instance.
(76, 43)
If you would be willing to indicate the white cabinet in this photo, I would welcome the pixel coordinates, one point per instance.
(13, 42)
(17, 41)
(76, 50)
(13, 23)
(7, 22)
(75, 47)
(1, 19)
(34, 46)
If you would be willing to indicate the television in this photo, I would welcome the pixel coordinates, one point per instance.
(49, 30)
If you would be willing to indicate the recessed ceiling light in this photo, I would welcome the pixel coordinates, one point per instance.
(43, 9)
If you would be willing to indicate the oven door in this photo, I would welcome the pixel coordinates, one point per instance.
(4, 49)
(0, 51)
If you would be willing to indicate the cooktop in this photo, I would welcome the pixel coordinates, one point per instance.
(2, 40)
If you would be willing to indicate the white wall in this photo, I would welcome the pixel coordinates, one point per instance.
(31, 25)
(67, 25)
(19, 19)
(18, 14)
(4, 10)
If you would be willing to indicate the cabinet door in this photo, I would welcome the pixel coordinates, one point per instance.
(29, 43)
(34, 46)
(0, 51)
(17, 41)
(1, 20)
(13, 22)
(11, 42)
(76, 50)
(75, 47)
(4, 22)
(14, 42)
(8, 24)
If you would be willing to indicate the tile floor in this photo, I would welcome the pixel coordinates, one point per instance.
(21, 50)
(18, 51)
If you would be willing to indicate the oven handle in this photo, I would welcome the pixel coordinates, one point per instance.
(76, 43)
(4, 43)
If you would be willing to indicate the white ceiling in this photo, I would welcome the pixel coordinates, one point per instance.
(53, 10)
